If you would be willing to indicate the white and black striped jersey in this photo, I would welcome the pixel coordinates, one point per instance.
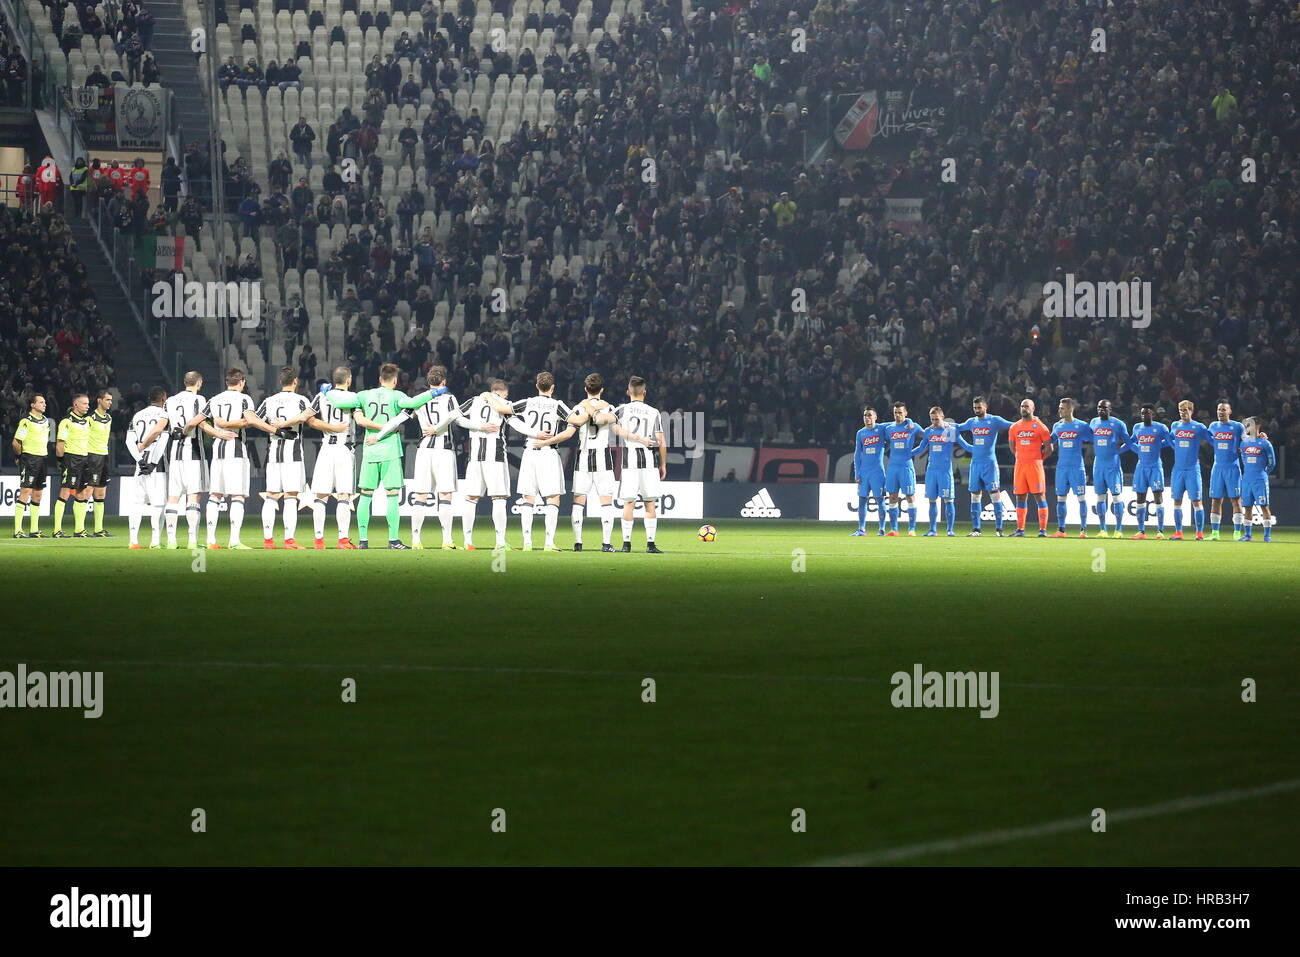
(482, 446)
(543, 413)
(142, 424)
(280, 407)
(438, 413)
(332, 414)
(179, 409)
(228, 405)
(596, 446)
(643, 420)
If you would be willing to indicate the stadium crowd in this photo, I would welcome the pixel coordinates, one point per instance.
(1116, 165)
(129, 26)
(52, 338)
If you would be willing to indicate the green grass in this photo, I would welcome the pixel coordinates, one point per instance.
(521, 690)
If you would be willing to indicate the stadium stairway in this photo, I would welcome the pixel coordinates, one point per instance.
(180, 73)
(134, 360)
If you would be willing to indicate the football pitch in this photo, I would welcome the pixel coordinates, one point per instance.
(512, 689)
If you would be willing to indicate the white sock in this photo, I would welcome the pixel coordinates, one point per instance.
(576, 520)
(157, 521)
(269, 508)
(236, 519)
(133, 524)
(290, 517)
(499, 519)
(551, 516)
(447, 519)
(173, 516)
(606, 522)
(628, 525)
(214, 511)
(318, 517)
(467, 522)
(343, 517)
(1238, 518)
(526, 511)
(650, 525)
(192, 522)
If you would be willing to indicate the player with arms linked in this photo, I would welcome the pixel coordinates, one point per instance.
(869, 469)
(1070, 436)
(1149, 437)
(984, 429)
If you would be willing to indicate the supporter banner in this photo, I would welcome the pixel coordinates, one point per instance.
(904, 215)
(141, 117)
(9, 496)
(888, 121)
(85, 98)
(162, 252)
(723, 500)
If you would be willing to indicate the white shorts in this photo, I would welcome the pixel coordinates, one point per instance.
(600, 483)
(229, 476)
(435, 471)
(541, 473)
(643, 482)
(334, 472)
(285, 477)
(490, 478)
(153, 489)
(186, 478)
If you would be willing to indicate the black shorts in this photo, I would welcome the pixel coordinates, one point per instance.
(73, 471)
(31, 471)
(97, 470)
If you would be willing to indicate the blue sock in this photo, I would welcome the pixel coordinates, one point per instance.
(1178, 518)
(1117, 509)
(950, 511)
(1199, 516)
(1142, 518)
(1214, 521)
(934, 515)
(997, 514)
(911, 519)
(975, 516)
(1060, 516)
(884, 519)
(862, 513)
(1100, 509)
(893, 518)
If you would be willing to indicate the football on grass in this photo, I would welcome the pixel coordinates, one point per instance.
(708, 533)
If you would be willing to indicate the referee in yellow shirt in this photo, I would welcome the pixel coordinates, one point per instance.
(31, 443)
(72, 445)
(97, 477)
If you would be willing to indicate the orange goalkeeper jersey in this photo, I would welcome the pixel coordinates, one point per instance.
(1027, 439)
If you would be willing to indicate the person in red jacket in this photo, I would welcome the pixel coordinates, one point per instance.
(138, 177)
(116, 176)
(26, 186)
(48, 181)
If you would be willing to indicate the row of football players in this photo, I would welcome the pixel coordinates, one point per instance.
(1242, 459)
(173, 473)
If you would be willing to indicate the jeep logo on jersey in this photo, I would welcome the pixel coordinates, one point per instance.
(760, 506)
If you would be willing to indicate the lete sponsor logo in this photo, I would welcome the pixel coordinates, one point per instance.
(760, 506)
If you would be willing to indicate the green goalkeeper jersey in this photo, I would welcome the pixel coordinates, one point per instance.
(380, 406)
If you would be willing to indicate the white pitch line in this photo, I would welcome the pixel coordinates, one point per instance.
(1080, 823)
(594, 673)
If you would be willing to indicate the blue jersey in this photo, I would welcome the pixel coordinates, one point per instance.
(1070, 437)
(1257, 458)
(869, 451)
(1147, 441)
(901, 437)
(1226, 439)
(1108, 439)
(939, 440)
(984, 435)
(1186, 439)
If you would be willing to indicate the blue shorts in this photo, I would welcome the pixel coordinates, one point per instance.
(1072, 479)
(872, 485)
(901, 481)
(1186, 481)
(1149, 478)
(1225, 481)
(983, 478)
(938, 483)
(1254, 492)
(1107, 478)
